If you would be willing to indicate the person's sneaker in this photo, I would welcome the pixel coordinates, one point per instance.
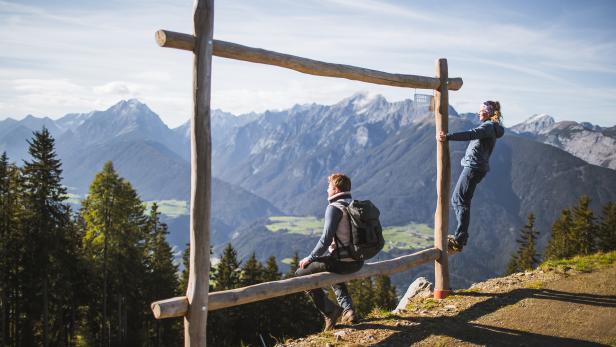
(453, 244)
(330, 319)
(348, 317)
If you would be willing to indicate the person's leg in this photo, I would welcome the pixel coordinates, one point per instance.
(319, 295)
(342, 296)
(461, 201)
(340, 289)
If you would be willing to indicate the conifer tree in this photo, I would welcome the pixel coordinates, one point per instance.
(183, 283)
(362, 293)
(252, 272)
(272, 309)
(384, 293)
(583, 227)
(253, 318)
(526, 257)
(293, 265)
(560, 245)
(226, 275)
(6, 217)
(298, 305)
(225, 323)
(47, 268)
(113, 242)
(161, 281)
(270, 272)
(11, 240)
(606, 238)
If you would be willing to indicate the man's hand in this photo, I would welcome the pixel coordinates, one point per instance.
(304, 262)
(442, 137)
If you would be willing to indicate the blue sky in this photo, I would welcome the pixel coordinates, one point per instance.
(555, 57)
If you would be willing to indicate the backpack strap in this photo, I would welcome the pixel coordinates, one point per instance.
(344, 207)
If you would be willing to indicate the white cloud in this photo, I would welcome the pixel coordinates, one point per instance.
(68, 58)
(52, 86)
(118, 88)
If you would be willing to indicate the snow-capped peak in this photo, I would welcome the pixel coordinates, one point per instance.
(536, 124)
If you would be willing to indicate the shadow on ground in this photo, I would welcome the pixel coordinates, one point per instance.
(461, 326)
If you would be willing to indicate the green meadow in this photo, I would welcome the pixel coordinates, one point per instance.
(295, 225)
(170, 208)
(410, 236)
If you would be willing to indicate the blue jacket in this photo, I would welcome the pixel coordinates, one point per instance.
(480, 148)
(333, 216)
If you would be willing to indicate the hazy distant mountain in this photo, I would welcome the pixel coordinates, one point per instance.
(13, 134)
(222, 125)
(72, 121)
(589, 142)
(289, 152)
(125, 121)
(144, 151)
(282, 159)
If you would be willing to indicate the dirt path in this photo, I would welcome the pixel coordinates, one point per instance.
(552, 308)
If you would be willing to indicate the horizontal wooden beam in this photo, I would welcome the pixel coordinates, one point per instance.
(230, 50)
(177, 307)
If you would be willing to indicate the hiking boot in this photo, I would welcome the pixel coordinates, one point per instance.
(453, 244)
(348, 317)
(330, 319)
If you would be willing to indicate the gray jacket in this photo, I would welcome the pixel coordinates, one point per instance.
(333, 216)
(482, 140)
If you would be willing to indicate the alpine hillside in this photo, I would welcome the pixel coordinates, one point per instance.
(276, 163)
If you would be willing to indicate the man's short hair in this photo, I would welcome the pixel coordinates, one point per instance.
(340, 181)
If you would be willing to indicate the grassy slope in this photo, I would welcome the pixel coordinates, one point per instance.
(562, 302)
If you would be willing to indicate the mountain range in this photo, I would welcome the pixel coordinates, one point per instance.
(276, 163)
(592, 143)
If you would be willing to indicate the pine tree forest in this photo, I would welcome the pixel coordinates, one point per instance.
(577, 231)
(86, 277)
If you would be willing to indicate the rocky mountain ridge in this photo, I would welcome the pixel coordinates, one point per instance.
(592, 143)
(277, 162)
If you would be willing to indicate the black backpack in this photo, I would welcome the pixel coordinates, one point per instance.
(366, 231)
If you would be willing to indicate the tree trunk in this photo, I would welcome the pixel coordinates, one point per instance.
(45, 311)
(104, 321)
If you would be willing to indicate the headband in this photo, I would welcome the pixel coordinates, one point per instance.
(488, 107)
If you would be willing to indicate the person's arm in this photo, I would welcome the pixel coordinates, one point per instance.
(482, 131)
(333, 215)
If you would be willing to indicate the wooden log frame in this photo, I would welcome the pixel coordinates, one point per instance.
(195, 318)
(177, 307)
(443, 173)
(224, 49)
(197, 302)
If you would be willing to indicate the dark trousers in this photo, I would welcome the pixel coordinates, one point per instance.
(461, 200)
(319, 296)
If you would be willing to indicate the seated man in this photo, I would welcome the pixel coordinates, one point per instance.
(336, 233)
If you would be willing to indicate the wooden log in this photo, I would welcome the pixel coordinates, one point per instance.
(195, 321)
(174, 307)
(443, 174)
(262, 291)
(172, 39)
(230, 50)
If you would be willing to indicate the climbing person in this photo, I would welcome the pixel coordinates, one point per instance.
(324, 256)
(475, 165)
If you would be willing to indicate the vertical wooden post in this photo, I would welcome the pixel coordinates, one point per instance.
(443, 176)
(200, 177)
